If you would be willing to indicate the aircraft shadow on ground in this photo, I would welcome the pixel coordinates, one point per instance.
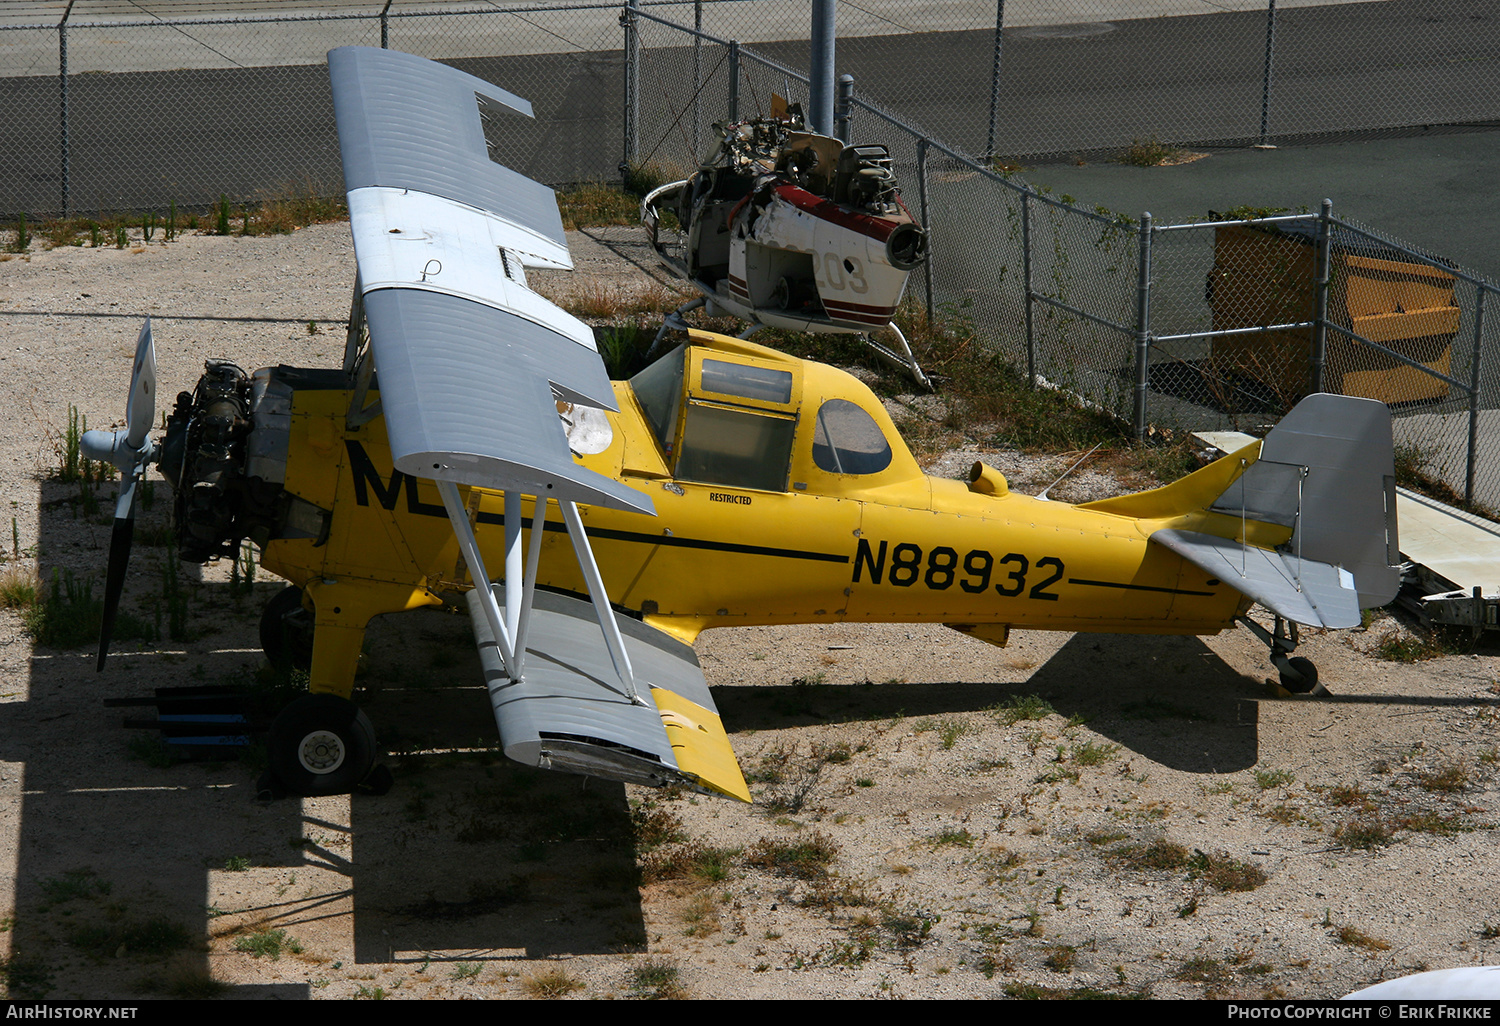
(116, 852)
(1142, 692)
(473, 856)
(112, 859)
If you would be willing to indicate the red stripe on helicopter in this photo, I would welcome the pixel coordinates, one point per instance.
(838, 312)
(858, 308)
(867, 322)
(737, 286)
(877, 228)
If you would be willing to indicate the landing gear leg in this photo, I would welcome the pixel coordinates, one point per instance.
(1298, 675)
(902, 360)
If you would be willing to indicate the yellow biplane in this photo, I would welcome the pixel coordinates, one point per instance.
(472, 437)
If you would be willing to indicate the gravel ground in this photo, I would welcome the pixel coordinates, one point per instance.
(935, 817)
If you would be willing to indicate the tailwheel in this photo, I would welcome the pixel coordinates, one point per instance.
(1298, 675)
(321, 745)
(286, 631)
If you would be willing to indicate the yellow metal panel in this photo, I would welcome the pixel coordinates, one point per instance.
(639, 453)
(314, 443)
(1396, 327)
(1195, 492)
(700, 744)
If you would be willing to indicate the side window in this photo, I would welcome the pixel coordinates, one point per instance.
(736, 447)
(745, 381)
(848, 441)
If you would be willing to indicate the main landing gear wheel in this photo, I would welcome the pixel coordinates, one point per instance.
(286, 631)
(320, 745)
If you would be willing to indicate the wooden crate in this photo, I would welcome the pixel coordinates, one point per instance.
(1264, 277)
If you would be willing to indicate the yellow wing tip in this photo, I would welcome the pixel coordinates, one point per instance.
(700, 744)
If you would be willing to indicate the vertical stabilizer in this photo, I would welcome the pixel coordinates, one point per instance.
(1328, 472)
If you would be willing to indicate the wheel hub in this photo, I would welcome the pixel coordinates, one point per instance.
(321, 751)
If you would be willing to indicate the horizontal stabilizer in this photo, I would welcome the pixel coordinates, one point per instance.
(569, 714)
(1317, 594)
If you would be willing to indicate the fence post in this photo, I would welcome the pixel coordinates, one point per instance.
(697, 81)
(926, 223)
(1323, 259)
(1265, 83)
(843, 111)
(989, 146)
(1474, 380)
(734, 80)
(632, 88)
(385, 26)
(62, 86)
(1143, 327)
(1026, 277)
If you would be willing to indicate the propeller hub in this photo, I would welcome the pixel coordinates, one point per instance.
(114, 447)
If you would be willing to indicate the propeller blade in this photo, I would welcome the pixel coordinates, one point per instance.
(140, 408)
(131, 451)
(119, 561)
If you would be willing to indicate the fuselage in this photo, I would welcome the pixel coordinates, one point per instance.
(792, 502)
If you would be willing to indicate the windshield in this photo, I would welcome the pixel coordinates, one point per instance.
(658, 388)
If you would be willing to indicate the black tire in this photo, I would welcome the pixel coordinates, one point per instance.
(286, 632)
(1300, 677)
(322, 744)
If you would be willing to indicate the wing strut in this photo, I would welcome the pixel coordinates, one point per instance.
(458, 515)
(600, 598)
(509, 625)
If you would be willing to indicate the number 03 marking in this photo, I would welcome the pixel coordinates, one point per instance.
(834, 267)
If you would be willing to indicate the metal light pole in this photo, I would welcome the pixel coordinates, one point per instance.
(821, 88)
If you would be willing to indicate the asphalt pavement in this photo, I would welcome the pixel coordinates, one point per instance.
(1433, 189)
(243, 110)
(244, 113)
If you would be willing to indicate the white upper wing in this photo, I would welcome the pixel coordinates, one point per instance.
(470, 360)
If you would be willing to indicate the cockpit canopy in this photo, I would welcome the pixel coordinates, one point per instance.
(736, 418)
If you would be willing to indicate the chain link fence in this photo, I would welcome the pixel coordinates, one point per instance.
(107, 114)
(1223, 323)
(1216, 324)
(1035, 79)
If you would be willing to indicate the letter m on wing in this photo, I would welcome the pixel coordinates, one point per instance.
(366, 477)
